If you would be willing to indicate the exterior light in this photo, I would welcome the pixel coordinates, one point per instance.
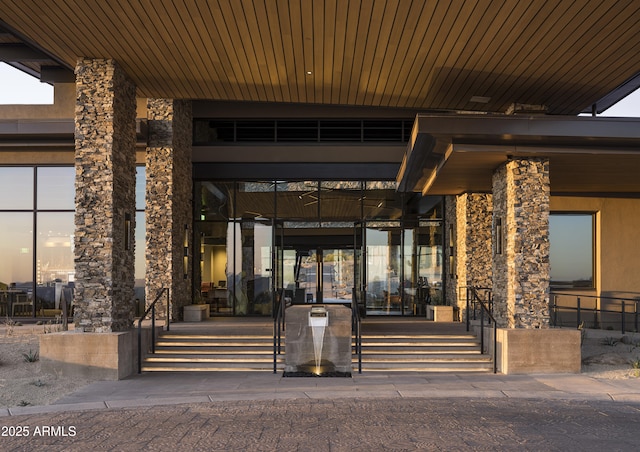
(185, 258)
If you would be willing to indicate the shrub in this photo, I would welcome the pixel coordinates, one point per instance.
(31, 357)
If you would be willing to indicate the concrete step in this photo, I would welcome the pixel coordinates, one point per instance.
(189, 368)
(246, 353)
(211, 358)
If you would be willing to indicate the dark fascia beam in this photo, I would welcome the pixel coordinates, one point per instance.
(299, 171)
(614, 96)
(432, 135)
(22, 53)
(56, 74)
(24, 40)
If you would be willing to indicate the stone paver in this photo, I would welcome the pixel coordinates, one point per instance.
(347, 424)
(376, 411)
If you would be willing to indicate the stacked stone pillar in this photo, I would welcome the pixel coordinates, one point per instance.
(168, 211)
(105, 138)
(521, 247)
(468, 221)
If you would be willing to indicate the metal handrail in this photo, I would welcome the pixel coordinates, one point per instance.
(623, 312)
(152, 309)
(472, 292)
(278, 327)
(356, 327)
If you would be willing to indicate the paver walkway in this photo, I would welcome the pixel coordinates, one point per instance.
(262, 411)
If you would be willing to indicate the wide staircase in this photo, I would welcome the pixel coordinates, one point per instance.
(387, 346)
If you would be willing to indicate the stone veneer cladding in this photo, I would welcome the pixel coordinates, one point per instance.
(521, 271)
(471, 216)
(169, 202)
(105, 139)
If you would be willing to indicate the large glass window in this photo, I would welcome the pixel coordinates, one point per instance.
(56, 189)
(384, 267)
(16, 188)
(571, 240)
(55, 270)
(16, 249)
(37, 269)
(140, 239)
(319, 245)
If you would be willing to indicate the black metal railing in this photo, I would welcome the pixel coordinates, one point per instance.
(476, 303)
(602, 311)
(279, 306)
(152, 309)
(356, 326)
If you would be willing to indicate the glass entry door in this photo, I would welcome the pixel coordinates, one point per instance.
(318, 275)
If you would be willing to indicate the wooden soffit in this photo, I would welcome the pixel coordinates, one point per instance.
(472, 55)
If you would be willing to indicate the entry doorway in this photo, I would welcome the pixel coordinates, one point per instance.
(320, 275)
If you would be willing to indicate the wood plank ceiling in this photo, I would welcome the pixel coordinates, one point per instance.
(433, 55)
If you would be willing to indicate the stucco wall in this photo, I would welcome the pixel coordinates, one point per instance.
(63, 107)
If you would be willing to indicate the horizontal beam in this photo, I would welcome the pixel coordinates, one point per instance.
(21, 53)
(56, 74)
(297, 171)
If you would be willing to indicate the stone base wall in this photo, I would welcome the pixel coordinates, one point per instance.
(105, 139)
(521, 263)
(169, 203)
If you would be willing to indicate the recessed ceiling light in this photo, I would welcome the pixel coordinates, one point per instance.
(480, 99)
(309, 72)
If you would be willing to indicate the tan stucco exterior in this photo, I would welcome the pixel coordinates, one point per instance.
(63, 107)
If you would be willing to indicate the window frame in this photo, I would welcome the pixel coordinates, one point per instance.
(593, 285)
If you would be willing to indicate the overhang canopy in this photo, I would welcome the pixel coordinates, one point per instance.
(450, 155)
(472, 55)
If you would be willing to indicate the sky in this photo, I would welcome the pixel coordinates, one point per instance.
(17, 87)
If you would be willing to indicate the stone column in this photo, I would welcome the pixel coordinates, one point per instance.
(521, 243)
(105, 139)
(169, 203)
(469, 217)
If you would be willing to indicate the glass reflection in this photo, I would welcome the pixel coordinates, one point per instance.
(140, 261)
(16, 249)
(16, 188)
(141, 187)
(56, 188)
(384, 262)
(55, 264)
(316, 257)
(214, 200)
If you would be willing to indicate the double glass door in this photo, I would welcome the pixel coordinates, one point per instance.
(318, 275)
(394, 270)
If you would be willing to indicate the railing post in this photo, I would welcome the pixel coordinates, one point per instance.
(167, 322)
(275, 332)
(140, 346)
(622, 314)
(635, 316)
(481, 330)
(554, 312)
(281, 312)
(495, 347)
(467, 311)
(578, 316)
(153, 328)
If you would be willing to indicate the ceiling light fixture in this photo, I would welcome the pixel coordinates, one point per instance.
(309, 72)
(480, 99)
